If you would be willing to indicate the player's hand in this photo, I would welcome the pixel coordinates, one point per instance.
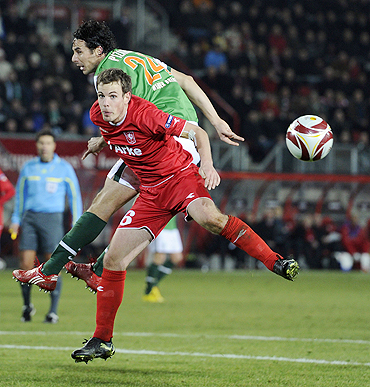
(13, 230)
(226, 134)
(211, 177)
(94, 146)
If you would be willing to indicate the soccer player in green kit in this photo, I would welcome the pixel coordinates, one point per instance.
(170, 90)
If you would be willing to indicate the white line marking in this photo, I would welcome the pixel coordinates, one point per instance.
(200, 354)
(212, 337)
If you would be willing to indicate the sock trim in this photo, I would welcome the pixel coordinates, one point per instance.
(164, 269)
(68, 248)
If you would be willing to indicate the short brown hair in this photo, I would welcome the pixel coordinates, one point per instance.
(115, 75)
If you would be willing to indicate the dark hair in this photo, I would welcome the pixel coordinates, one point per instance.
(95, 34)
(45, 132)
(115, 75)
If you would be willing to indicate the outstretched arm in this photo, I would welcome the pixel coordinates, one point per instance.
(199, 98)
(94, 146)
(200, 137)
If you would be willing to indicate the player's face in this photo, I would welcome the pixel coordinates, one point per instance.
(87, 60)
(45, 146)
(113, 103)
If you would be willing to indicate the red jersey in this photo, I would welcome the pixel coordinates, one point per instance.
(7, 191)
(144, 140)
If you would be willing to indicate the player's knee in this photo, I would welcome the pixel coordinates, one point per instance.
(176, 258)
(111, 262)
(105, 204)
(214, 223)
(97, 201)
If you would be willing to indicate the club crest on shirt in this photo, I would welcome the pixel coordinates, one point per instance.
(130, 137)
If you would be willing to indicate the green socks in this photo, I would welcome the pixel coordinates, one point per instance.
(156, 273)
(165, 269)
(86, 229)
(151, 278)
(98, 265)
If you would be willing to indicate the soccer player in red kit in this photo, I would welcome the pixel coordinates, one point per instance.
(7, 191)
(142, 135)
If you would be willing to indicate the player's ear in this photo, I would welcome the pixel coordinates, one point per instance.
(127, 97)
(99, 50)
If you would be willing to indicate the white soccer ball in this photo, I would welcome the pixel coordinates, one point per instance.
(309, 138)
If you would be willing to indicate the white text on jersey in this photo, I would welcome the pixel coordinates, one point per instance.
(125, 150)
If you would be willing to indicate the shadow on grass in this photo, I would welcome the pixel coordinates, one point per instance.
(125, 375)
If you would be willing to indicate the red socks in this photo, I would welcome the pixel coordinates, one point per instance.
(109, 298)
(242, 236)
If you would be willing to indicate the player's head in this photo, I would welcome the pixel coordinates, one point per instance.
(114, 94)
(45, 145)
(92, 41)
(115, 75)
(95, 34)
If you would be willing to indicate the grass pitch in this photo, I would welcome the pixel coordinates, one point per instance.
(219, 329)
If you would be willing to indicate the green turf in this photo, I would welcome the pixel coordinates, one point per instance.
(245, 328)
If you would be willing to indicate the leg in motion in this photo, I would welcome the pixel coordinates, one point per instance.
(112, 197)
(240, 234)
(125, 246)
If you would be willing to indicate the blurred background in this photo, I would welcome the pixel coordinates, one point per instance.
(263, 63)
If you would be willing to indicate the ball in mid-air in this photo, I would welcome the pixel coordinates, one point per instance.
(309, 138)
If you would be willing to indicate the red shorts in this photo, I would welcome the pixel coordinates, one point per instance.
(155, 206)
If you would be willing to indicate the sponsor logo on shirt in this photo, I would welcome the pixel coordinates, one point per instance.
(125, 150)
(168, 122)
(130, 137)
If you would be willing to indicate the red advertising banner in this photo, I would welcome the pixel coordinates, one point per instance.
(14, 152)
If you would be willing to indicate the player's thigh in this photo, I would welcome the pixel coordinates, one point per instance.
(125, 246)
(111, 198)
(207, 215)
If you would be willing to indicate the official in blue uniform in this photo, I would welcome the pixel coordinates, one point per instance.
(44, 183)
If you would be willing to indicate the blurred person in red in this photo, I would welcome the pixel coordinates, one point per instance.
(356, 243)
(7, 191)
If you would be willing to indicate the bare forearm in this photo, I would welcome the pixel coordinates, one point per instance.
(201, 140)
(199, 98)
(204, 147)
(196, 95)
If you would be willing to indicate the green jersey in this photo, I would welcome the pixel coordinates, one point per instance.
(151, 80)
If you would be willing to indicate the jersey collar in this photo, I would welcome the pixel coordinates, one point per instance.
(119, 123)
